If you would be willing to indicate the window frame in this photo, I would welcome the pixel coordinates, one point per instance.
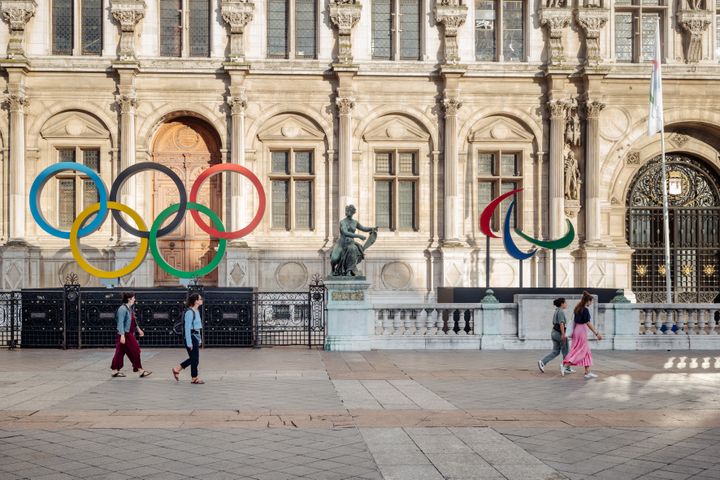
(637, 9)
(185, 31)
(77, 27)
(499, 31)
(396, 34)
(497, 179)
(291, 177)
(291, 33)
(78, 177)
(396, 178)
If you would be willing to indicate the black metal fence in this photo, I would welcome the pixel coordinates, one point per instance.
(75, 317)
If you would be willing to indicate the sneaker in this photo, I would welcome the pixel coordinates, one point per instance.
(569, 370)
(541, 366)
(590, 375)
(563, 371)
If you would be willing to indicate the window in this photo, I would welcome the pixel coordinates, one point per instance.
(185, 28)
(292, 28)
(717, 35)
(292, 176)
(76, 191)
(635, 25)
(396, 29)
(500, 30)
(396, 188)
(498, 172)
(64, 34)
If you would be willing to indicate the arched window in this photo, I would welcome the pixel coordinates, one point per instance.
(185, 28)
(396, 29)
(694, 200)
(66, 15)
(292, 28)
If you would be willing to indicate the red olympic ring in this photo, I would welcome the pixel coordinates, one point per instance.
(230, 167)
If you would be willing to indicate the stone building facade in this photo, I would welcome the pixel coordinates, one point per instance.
(418, 112)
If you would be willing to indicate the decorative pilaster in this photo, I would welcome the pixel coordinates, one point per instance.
(592, 172)
(237, 14)
(16, 102)
(17, 13)
(127, 103)
(238, 202)
(451, 14)
(558, 111)
(591, 20)
(555, 19)
(345, 176)
(345, 14)
(453, 199)
(127, 13)
(695, 23)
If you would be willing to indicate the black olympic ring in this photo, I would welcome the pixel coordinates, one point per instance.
(141, 167)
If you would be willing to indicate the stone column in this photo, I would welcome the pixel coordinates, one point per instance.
(695, 23)
(17, 101)
(345, 14)
(452, 16)
(237, 14)
(239, 210)
(129, 195)
(17, 13)
(346, 194)
(555, 20)
(127, 13)
(592, 173)
(556, 180)
(453, 199)
(591, 21)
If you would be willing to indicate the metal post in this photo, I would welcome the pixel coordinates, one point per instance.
(666, 222)
(487, 262)
(521, 274)
(11, 343)
(554, 268)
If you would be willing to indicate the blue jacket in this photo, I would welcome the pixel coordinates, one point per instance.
(122, 317)
(192, 322)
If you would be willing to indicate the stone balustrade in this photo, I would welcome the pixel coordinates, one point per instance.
(678, 319)
(432, 319)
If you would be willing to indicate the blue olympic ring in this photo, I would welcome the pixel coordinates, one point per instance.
(45, 176)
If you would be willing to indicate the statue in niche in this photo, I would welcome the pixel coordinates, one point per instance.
(555, 3)
(572, 177)
(694, 4)
(346, 254)
(572, 125)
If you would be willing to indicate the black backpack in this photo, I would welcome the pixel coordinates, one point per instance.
(179, 326)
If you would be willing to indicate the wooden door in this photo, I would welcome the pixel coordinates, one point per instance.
(188, 147)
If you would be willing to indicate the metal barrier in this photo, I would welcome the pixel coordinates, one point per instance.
(10, 318)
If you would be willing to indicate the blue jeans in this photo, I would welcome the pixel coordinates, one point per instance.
(558, 346)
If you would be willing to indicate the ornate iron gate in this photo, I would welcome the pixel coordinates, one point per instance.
(694, 231)
(10, 315)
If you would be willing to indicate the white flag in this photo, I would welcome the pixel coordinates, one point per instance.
(655, 117)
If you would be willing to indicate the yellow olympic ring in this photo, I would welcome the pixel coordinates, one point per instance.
(75, 244)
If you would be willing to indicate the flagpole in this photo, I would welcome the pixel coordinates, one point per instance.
(666, 220)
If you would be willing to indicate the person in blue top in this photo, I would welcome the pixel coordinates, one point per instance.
(191, 334)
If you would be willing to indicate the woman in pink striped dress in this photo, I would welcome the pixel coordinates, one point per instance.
(580, 349)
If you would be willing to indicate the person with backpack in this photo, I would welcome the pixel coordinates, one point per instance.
(580, 351)
(125, 341)
(558, 337)
(192, 324)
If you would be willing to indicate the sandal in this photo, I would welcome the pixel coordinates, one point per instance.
(197, 381)
(118, 374)
(145, 373)
(176, 374)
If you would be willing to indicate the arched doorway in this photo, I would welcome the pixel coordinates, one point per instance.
(188, 146)
(694, 201)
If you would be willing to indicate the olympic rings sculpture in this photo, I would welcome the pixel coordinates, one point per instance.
(148, 238)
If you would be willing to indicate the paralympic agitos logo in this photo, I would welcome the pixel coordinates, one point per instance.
(510, 245)
(148, 238)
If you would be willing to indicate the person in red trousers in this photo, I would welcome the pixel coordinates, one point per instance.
(125, 341)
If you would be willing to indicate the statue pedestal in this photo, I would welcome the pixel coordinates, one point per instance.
(350, 318)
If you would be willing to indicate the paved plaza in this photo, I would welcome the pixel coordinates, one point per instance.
(274, 414)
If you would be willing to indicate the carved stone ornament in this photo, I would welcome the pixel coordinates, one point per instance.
(572, 176)
(345, 15)
(573, 131)
(127, 102)
(345, 105)
(237, 14)
(127, 13)
(237, 103)
(633, 158)
(451, 106)
(678, 139)
(17, 13)
(593, 108)
(694, 23)
(451, 14)
(591, 21)
(557, 108)
(16, 102)
(555, 20)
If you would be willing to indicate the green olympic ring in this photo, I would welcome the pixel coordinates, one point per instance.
(201, 272)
